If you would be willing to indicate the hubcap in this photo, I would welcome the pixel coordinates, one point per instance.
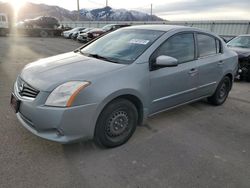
(117, 124)
(223, 91)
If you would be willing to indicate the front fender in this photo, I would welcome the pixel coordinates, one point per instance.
(116, 95)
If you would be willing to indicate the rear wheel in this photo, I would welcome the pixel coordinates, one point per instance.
(222, 91)
(3, 33)
(116, 124)
(44, 34)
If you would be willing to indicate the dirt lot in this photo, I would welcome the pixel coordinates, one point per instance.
(196, 145)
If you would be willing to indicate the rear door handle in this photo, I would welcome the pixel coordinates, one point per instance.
(193, 71)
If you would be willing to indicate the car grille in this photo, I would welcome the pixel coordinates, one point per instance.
(26, 90)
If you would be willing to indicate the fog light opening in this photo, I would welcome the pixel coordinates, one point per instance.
(59, 132)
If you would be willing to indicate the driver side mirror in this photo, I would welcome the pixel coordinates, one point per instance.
(165, 61)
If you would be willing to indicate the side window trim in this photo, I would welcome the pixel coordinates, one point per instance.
(220, 46)
(179, 33)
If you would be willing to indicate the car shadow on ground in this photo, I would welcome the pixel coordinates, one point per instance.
(142, 131)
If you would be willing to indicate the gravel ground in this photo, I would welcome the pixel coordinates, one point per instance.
(196, 145)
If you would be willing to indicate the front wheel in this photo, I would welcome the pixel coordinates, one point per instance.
(222, 91)
(116, 124)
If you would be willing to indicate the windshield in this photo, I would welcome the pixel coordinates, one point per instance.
(122, 46)
(241, 41)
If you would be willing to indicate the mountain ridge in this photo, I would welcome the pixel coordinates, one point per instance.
(32, 10)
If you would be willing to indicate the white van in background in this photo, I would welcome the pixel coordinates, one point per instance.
(4, 25)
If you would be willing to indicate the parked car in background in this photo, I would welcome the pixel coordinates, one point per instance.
(64, 27)
(106, 88)
(112, 27)
(89, 35)
(4, 24)
(69, 33)
(84, 31)
(41, 22)
(76, 33)
(97, 32)
(241, 45)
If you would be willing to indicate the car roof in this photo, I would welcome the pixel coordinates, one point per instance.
(166, 28)
(159, 27)
(96, 29)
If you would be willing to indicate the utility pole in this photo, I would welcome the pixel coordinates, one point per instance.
(151, 12)
(106, 17)
(78, 10)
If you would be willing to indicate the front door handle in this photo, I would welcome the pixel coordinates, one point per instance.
(193, 71)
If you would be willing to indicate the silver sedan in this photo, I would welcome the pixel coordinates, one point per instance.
(104, 89)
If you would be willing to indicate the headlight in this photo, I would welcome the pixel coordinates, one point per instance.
(65, 94)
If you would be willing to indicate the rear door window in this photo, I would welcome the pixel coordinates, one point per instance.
(207, 45)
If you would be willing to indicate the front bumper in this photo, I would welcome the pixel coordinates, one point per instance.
(63, 125)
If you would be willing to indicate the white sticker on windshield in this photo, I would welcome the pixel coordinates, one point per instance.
(139, 41)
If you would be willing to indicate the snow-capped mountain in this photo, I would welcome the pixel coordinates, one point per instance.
(32, 10)
(107, 13)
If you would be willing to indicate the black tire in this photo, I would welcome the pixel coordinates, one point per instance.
(222, 91)
(248, 75)
(116, 123)
(52, 34)
(3, 33)
(241, 77)
(44, 34)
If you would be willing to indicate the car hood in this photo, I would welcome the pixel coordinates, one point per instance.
(241, 51)
(48, 73)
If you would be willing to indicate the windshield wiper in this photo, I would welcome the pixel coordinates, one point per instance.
(98, 57)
